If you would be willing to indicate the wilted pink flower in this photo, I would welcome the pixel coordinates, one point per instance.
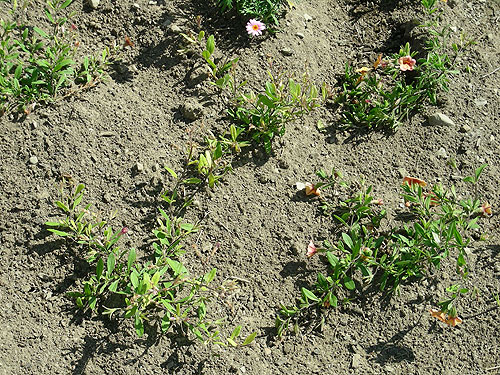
(311, 189)
(485, 209)
(311, 249)
(406, 63)
(378, 202)
(123, 231)
(255, 27)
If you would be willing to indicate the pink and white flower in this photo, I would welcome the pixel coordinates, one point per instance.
(406, 63)
(255, 27)
(311, 249)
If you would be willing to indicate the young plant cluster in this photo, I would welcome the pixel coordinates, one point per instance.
(156, 290)
(393, 88)
(37, 65)
(265, 10)
(258, 118)
(363, 257)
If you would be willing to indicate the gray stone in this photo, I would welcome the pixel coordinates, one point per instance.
(440, 119)
(175, 29)
(465, 128)
(480, 102)
(442, 153)
(307, 17)
(139, 167)
(192, 110)
(93, 3)
(356, 360)
(34, 160)
(267, 351)
(286, 51)
(300, 35)
(106, 198)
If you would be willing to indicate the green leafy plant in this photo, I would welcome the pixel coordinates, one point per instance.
(36, 65)
(384, 95)
(221, 72)
(363, 256)
(264, 116)
(157, 289)
(265, 10)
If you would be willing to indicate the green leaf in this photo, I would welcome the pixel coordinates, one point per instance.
(218, 151)
(172, 173)
(65, 4)
(249, 338)
(61, 64)
(177, 267)
(99, 268)
(134, 279)
(156, 278)
(79, 189)
(209, 276)
(479, 170)
(347, 240)
(52, 224)
(139, 326)
(58, 232)
(18, 71)
(114, 286)
(308, 295)
(165, 322)
(210, 45)
(41, 32)
(110, 264)
(332, 299)
(349, 283)
(62, 206)
(236, 332)
(131, 258)
(191, 181)
(332, 259)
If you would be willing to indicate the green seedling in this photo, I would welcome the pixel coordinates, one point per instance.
(264, 116)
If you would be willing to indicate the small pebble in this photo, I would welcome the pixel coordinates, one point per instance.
(175, 29)
(356, 361)
(300, 35)
(307, 17)
(286, 51)
(139, 167)
(480, 102)
(442, 153)
(34, 160)
(465, 128)
(440, 119)
(93, 3)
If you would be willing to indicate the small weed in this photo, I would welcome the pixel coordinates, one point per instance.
(384, 95)
(264, 116)
(36, 65)
(265, 10)
(156, 289)
(363, 256)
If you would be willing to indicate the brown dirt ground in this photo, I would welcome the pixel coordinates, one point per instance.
(98, 136)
